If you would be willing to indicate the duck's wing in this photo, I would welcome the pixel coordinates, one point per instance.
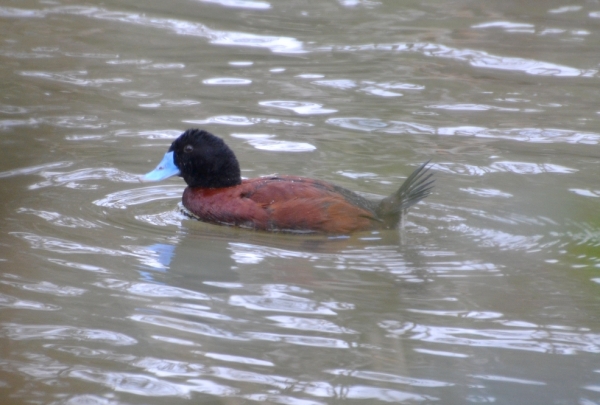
(301, 204)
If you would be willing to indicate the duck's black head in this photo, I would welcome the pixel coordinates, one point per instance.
(202, 159)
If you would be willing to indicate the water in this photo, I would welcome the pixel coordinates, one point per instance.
(109, 295)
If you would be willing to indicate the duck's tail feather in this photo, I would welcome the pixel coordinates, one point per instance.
(416, 187)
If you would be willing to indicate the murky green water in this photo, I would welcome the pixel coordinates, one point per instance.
(109, 295)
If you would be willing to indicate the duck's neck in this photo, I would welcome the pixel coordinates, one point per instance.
(224, 175)
(211, 183)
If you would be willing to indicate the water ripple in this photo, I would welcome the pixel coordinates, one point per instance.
(8, 301)
(356, 175)
(442, 353)
(79, 266)
(507, 26)
(310, 76)
(46, 287)
(81, 122)
(502, 240)
(76, 121)
(238, 120)
(564, 9)
(149, 134)
(383, 89)
(75, 78)
(274, 43)
(211, 388)
(385, 377)
(586, 192)
(246, 253)
(475, 58)
(226, 81)
(11, 12)
(89, 399)
(482, 59)
(169, 368)
(489, 377)
(151, 290)
(473, 107)
(56, 332)
(281, 146)
(88, 55)
(375, 259)
(280, 302)
(529, 135)
(139, 94)
(529, 168)
(65, 246)
(59, 219)
(280, 399)
(75, 178)
(264, 142)
(194, 327)
(309, 324)
(131, 383)
(239, 359)
(167, 218)
(128, 62)
(193, 310)
(251, 377)
(486, 192)
(39, 366)
(241, 63)
(246, 4)
(534, 340)
(459, 314)
(34, 169)
(453, 267)
(12, 109)
(91, 353)
(277, 297)
(176, 103)
(143, 195)
(24, 55)
(503, 167)
(299, 107)
(362, 392)
(162, 66)
(586, 234)
(362, 124)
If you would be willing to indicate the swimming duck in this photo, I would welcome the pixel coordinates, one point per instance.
(216, 193)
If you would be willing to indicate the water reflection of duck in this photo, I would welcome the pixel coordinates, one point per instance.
(216, 193)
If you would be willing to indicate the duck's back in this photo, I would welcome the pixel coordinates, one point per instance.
(283, 203)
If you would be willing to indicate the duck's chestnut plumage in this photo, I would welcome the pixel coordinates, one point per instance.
(216, 193)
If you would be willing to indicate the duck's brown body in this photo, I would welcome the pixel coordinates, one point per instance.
(216, 193)
(284, 203)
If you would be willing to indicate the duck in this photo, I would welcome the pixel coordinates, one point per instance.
(216, 193)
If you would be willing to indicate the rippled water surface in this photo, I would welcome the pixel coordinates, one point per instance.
(109, 295)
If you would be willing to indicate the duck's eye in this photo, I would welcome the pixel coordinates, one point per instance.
(188, 148)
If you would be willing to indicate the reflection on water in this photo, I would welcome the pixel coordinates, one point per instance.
(109, 294)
